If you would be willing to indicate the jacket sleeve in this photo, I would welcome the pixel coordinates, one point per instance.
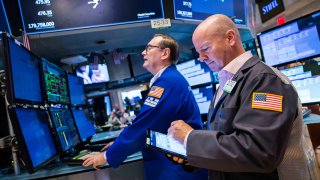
(156, 113)
(252, 140)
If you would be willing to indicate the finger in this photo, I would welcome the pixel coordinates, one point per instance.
(175, 158)
(180, 160)
(173, 123)
(169, 155)
(96, 167)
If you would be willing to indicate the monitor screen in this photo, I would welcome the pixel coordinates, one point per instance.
(4, 24)
(23, 73)
(42, 16)
(204, 96)
(32, 130)
(201, 9)
(93, 74)
(296, 40)
(195, 72)
(84, 124)
(55, 83)
(250, 45)
(65, 128)
(306, 82)
(76, 89)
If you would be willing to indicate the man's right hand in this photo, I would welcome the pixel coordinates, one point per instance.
(107, 146)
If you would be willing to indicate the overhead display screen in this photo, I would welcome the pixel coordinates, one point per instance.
(4, 25)
(201, 9)
(40, 16)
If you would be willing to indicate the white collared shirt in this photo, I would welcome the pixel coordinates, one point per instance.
(155, 77)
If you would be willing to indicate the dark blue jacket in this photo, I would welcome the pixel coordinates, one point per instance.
(169, 99)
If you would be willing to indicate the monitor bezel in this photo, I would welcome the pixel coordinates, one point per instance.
(46, 99)
(22, 143)
(278, 27)
(8, 68)
(60, 148)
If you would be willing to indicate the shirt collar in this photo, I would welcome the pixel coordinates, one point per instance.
(155, 77)
(238, 62)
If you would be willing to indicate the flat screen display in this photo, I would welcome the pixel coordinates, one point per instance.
(4, 24)
(55, 83)
(250, 45)
(76, 88)
(204, 96)
(293, 41)
(23, 73)
(65, 128)
(92, 74)
(84, 124)
(195, 72)
(40, 16)
(36, 141)
(306, 82)
(199, 10)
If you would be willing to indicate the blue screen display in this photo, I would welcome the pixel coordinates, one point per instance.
(204, 96)
(195, 72)
(65, 128)
(296, 40)
(37, 135)
(4, 24)
(25, 73)
(201, 9)
(46, 16)
(84, 125)
(76, 88)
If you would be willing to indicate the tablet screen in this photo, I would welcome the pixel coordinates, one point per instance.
(166, 143)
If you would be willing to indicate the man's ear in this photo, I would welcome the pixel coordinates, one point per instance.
(231, 37)
(166, 53)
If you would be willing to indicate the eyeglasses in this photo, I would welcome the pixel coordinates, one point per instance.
(148, 47)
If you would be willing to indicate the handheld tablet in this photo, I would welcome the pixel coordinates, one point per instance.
(165, 143)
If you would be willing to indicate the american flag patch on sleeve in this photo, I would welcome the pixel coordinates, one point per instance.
(156, 92)
(267, 101)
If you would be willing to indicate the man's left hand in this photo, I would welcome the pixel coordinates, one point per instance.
(179, 129)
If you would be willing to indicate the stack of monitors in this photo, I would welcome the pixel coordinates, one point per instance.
(64, 128)
(195, 72)
(294, 41)
(84, 124)
(204, 96)
(76, 89)
(35, 139)
(22, 71)
(55, 83)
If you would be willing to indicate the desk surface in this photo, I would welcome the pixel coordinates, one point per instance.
(62, 169)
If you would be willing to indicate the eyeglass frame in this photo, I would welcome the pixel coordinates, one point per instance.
(148, 47)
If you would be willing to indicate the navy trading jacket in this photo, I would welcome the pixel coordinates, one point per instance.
(250, 127)
(170, 98)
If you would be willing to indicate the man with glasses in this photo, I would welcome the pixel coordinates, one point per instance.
(169, 98)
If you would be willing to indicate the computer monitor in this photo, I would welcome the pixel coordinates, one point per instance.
(199, 10)
(250, 45)
(92, 74)
(76, 89)
(296, 40)
(307, 84)
(35, 140)
(84, 124)
(195, 72)
(64, 127)
(22, 73)
(204, 96)
(55, 83)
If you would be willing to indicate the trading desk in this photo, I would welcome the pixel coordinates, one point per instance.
(132, 168)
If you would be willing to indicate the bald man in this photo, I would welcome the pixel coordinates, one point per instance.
(254, 120)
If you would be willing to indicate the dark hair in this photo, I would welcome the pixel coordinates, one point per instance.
(171, 43)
